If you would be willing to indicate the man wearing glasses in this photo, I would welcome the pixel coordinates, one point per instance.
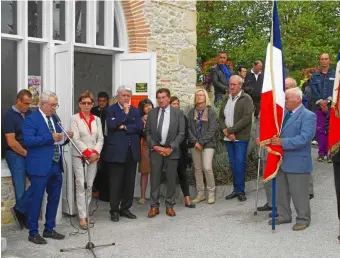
(43, 139)
(15, 148)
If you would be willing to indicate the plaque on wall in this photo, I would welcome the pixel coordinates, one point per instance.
(141, 87)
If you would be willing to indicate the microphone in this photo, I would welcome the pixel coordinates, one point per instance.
(57, 117)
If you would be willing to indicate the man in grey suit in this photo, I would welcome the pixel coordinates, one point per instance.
(298, 130)
(165, 132)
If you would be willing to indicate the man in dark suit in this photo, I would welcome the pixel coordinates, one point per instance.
(124, 126)
(165, 132)
(253, 85)
(101, 183)
(220, 75)
(43, 139)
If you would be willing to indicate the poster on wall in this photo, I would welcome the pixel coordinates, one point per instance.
(34, 86)
(136, 98)
(142, 87)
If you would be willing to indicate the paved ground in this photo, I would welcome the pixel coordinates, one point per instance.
(225, 229)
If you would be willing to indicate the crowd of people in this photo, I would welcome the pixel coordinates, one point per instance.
(119, 138)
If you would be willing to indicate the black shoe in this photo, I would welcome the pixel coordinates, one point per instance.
(54, 235)
(311, 196)
(231, 196)
(115, 216)
(265, 207)
(242, 197)
(37, 239)
(128, 214)
(19, 218)
(276, 214)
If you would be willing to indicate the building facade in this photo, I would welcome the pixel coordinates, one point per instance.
(71, 46)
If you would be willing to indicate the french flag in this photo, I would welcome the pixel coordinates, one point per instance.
(272, 99)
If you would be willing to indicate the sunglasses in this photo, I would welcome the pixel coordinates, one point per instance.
(86, 103)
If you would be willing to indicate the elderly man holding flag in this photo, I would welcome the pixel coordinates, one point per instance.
(286, 134)
(334, 135)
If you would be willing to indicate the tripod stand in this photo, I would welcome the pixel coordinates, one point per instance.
(89, 246)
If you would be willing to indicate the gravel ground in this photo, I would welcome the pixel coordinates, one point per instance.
(225, 229)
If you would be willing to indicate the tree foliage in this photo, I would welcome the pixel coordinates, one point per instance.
(242, 28)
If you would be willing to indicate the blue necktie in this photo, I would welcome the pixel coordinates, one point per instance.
(56, 154)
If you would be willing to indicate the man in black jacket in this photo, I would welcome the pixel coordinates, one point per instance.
(220, 75)
(253, 85)
(101, 182)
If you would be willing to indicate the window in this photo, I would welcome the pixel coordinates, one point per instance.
(34, 9)
(34, 71)
(59, 20)
(9, 17)
(80, 16)
(100, 23)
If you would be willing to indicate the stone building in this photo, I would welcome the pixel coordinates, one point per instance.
(70, 46)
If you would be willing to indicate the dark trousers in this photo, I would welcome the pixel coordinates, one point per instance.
(158, 164)
(52, 183)
(101, 182)
(17, 166)
(237, 153)
(182, 174)
(122, 183)
(336, 166)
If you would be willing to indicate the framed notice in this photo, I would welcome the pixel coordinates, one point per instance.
(141, 87)
(34, 86)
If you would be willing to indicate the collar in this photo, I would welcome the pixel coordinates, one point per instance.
(252, 71)
(83, 117)
(296, 109)
(16, 110)
(166, 109)
(237, 96)
(120, 106)
(43, 114)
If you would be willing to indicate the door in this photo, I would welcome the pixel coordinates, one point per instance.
(136, 68)
(132, 69)
(63, 79)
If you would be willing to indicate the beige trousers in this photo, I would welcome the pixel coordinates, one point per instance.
(90, 171)
(203, 163)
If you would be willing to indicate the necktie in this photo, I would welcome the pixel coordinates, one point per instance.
(160, 126)
(56, 154)
(287, 116)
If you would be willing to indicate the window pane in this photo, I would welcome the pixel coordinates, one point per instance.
(115, 34)
(8, 80)
(34, 71)
(35, 19)
(100, 23)
(80, 15)
(9, 17)
(59, 20)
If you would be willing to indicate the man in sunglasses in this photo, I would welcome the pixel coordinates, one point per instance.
(15, 149)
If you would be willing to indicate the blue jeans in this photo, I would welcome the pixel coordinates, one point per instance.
(237, 153)
(17, 166)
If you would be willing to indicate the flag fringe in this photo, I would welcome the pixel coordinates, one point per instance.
(334, 149)
(278, 164)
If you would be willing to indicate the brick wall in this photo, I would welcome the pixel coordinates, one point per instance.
(7, 200)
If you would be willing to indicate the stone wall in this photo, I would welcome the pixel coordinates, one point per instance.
(173, 37)
(7, 200)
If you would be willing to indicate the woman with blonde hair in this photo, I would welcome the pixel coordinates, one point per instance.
(88, 137)
(202, 128)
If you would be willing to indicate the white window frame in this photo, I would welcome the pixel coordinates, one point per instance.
(113, 11)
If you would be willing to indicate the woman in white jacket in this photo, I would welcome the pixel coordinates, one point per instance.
(88, 137)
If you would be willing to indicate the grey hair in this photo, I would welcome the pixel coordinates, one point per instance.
(296, 91)
(46, 95)
(292, 81)
(237, 77)
(121, 88)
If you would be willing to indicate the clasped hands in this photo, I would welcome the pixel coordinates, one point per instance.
(93, 157)
(323, 104)
(163, 151)
(230, 136)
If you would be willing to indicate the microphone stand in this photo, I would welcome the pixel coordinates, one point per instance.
(89, 246)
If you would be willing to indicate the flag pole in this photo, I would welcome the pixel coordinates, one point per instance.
(273, 204)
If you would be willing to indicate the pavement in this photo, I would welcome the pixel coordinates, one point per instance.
(224, 229)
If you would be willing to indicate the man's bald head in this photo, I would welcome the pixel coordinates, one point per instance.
(290, 83)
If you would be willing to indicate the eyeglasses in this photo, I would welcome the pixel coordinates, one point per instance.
(86, 103)
(54, 106)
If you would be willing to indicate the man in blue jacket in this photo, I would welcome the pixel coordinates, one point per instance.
(298, 130)
(124, 126)
(322, 84)
(43, 139)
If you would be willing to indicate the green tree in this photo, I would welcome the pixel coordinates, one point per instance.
(242, 28)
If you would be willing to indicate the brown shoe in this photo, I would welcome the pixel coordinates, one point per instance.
(298, 227)
(153, 212)
(170, 212)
